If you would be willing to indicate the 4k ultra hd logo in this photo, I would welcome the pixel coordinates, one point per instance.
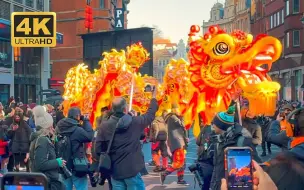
(33, 29)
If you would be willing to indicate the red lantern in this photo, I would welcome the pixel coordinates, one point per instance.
(88, 17)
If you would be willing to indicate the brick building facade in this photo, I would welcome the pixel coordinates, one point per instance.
(163, 51)
(70, 22)
(282, 19)
(232, 15)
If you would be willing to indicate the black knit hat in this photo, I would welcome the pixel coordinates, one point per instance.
(223, 120)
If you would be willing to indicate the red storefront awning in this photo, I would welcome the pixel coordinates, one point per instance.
(56, 82)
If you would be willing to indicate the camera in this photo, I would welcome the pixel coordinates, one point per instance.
(66, 172)
(198, 174)
(81, 118)
(93, 179)
(149, 88)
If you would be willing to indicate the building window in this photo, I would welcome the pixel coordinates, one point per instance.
(29, 3)
(18, 9)
(296, 6)
(5, 10)
(298, 77)
(271, 22)
(287, 7)
(286, 79)
(287, 40)
(274, 20)
(102, 4)
(4, 93)
(40, 5)
(282, 16)
(18, 1)
(296, 38)
(278, 18)
(5, 54)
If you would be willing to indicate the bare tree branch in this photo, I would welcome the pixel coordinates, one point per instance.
(157, 32)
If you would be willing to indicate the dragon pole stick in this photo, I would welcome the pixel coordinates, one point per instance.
(239, 110)
(131, 91)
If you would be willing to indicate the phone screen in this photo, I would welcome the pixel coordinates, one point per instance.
(239, 169)
(24, 181)
(23, 187)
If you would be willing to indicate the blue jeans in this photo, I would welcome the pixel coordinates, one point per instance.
(79, 183)
(133, 183)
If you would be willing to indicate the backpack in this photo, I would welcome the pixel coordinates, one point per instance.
(63, 148)
(158, 126)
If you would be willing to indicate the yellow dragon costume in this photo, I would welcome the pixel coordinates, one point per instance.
(220, 66)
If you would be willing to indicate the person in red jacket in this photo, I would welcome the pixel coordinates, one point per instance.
(3, 147)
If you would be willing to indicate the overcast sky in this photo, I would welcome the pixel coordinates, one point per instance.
(174, 17)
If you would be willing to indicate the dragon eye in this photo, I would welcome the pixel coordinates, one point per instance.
(221, 49)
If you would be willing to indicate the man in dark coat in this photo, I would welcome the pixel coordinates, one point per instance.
(79, 135)
(125, 152)
(177, 141)
(231, 134)
(265, 122)
(205, 152)
(19, 133)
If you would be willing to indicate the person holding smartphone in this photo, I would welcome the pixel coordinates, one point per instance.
(45, 160)
(230, 134)
(19, 133)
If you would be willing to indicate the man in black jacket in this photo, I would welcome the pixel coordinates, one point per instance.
(230, 134)
(78, 134)
(125, 152)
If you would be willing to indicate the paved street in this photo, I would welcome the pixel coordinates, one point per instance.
(152, 181)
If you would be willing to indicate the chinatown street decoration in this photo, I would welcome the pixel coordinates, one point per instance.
(220, 66)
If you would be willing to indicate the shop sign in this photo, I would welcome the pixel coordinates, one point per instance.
(119, 18)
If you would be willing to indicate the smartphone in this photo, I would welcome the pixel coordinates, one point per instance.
(238, 168)
(282, 113)
(148, 88)
(25, 181)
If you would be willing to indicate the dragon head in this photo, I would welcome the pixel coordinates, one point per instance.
(222, 63)
(136, 55)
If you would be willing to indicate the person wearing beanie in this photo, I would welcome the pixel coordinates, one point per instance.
(43, 158)
(79, 130)
(230, 134)
(19, 133)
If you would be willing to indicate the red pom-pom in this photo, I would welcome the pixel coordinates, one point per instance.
(195, 29)
(207, 36)
(213, 29)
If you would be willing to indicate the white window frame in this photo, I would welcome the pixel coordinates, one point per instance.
(271, 22)
(287, 7)
(287, 40)
(274, 19)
